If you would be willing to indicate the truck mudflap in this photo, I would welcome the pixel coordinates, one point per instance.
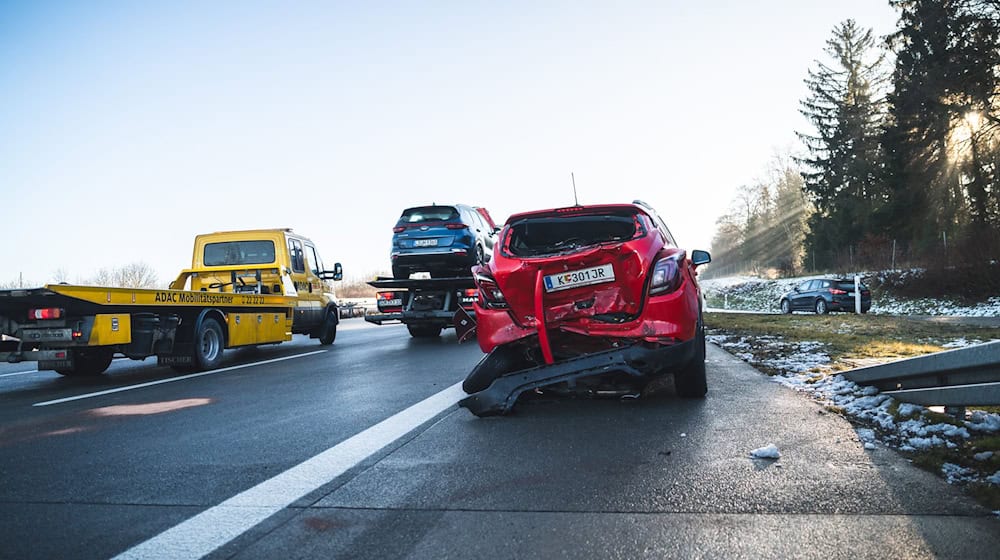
(637, 360)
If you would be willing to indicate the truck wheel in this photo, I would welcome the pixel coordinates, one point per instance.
(208, 345)
(90, 362)
(328, 332)
(690, 382)
(424, 331)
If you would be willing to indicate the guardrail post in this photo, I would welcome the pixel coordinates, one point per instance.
(956, 411)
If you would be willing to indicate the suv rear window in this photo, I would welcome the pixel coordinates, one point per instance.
(551, 235)
(230, 253)
(428, 214)
(848, 285)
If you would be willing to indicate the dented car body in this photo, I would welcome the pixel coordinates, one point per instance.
(594, 299)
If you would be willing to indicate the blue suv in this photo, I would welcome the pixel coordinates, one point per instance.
(445, 241)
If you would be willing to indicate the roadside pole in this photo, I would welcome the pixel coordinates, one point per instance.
(857, 294)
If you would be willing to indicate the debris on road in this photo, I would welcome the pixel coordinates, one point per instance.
(767, 452)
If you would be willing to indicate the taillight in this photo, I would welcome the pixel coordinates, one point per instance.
(398, 229)
(666, 275)
(46, 313)
(490, 293)
(837, 292)
(456, 226)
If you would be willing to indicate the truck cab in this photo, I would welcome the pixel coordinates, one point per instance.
(265, 261)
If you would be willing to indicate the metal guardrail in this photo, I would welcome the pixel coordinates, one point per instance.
(956, 378)
(351, 310)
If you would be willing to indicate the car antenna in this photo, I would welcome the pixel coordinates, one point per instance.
(576, 202)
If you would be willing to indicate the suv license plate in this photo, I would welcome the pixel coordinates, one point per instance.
(425, 242)
(577, 278)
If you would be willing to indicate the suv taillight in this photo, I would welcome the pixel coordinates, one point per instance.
(666, 275)
(399, 229)
(456, 226)
(837, 292)
(492, 297)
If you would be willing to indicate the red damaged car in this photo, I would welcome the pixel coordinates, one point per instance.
(592, 299)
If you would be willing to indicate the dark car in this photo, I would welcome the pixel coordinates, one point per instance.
(587, 299)
(825, 295)
(443, 240)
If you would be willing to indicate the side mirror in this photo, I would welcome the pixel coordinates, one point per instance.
(336, 274)
(699, 257)
(496, 230)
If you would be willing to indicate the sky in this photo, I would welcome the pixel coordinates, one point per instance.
(126, 128)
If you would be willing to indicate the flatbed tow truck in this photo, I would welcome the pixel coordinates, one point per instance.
(424, 305)
(244, 288)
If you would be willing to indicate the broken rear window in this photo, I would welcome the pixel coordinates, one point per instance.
(551, 235)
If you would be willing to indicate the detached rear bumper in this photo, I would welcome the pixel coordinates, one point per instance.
(638, 360)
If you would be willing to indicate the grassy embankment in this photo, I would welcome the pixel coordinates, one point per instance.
(850, 340)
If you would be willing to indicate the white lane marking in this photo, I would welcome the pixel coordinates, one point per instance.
(18, 373)
(216, 526)
(172, 379)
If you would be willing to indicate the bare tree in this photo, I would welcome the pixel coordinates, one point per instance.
(134, 275)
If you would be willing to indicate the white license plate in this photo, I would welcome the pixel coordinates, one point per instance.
(577, 278)
(851, 294)
(390, 302)
(425, 242)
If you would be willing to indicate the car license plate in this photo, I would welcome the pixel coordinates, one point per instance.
(390, 302)
(577, 278)
(425, 242)
(851, 294)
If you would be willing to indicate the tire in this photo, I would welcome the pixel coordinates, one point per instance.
(88, 363)
(500, 361)
(424, 331)
(328, 332)
(786, 307)
(480, 256)
(821, 308)
(400, 273)
(690, 382)
(209, 343)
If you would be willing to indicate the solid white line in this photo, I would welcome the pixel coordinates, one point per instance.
(18, 373)
(172, 379)
(216, 526)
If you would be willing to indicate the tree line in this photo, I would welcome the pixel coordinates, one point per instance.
(132, 275)
(902, 165)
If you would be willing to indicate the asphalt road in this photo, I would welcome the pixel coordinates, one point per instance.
(301, 451)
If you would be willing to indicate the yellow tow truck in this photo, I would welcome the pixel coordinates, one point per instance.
(244, 288)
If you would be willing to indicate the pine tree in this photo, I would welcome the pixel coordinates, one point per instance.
(843, 175)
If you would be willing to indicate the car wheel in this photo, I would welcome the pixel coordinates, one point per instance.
(480, 256)
(208, 345)
(502, 360)
(88, 363)
(691, 382)
(400, 273)
(821, 308)
(786, 306)
(328, 332)
(424, 331)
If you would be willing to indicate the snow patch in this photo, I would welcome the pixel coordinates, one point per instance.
(957, 474)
